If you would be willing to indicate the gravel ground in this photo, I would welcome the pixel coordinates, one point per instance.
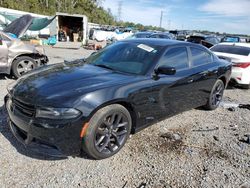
(194, 149)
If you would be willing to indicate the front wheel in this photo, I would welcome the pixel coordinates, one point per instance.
(22, 65)
(107, 132)
(215, 95)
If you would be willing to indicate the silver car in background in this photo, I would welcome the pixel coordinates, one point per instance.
(17, 57)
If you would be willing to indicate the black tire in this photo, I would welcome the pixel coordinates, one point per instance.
(108, 130)
(215, 95)
(22, 65)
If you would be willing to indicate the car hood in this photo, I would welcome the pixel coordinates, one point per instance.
(61, 83)
(19, 26)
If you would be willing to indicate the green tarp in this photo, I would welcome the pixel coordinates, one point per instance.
(40, 23)
(37, 23)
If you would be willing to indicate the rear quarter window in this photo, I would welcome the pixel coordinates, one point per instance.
(200, 57)
(230, 49)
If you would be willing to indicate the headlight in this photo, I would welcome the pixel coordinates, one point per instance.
(57, 113)
(40, 50)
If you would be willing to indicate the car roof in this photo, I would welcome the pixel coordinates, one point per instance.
(235, 44)
(159, 42)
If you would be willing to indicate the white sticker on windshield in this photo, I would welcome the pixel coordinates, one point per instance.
(145, 47)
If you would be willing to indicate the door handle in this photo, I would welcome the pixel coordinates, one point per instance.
(190, 81)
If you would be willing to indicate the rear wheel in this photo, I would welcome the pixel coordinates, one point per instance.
(215, 95)
(108, 130)
(22, 65)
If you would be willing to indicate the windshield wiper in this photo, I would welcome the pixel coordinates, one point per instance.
(104, 66)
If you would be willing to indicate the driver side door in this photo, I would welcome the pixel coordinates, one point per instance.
(174, 93)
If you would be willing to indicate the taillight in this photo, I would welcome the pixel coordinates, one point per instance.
(241, 65)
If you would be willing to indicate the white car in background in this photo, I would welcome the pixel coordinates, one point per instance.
(239, 55)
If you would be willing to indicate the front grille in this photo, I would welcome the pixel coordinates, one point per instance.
(23, 108)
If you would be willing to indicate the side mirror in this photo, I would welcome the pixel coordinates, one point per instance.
(165, 70)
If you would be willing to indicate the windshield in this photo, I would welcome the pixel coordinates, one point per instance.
(126, 57)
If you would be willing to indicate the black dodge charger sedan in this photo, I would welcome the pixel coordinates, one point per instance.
(94, 106)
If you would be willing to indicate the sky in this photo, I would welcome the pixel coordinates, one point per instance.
(230, 16)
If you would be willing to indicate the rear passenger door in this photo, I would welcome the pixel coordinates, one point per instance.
(204, 74)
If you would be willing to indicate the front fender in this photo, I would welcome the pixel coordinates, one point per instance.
(93, 101)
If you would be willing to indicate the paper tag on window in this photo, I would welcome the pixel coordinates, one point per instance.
(145, 47)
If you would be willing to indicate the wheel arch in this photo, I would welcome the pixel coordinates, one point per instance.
(31, 55)
(126, 104)
(224, 80)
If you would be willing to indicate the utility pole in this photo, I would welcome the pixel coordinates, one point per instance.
(161, 18)
(119, 16)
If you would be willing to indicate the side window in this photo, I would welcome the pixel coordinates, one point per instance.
(200, 57)
(176, 57)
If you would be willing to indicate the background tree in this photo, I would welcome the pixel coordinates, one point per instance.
(91, 8)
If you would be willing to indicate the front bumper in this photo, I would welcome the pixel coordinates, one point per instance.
(53, 138)
(42, 60)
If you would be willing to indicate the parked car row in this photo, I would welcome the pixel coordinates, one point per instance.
(234, 49)
(160, 35)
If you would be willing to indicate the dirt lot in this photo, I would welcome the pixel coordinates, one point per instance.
(194, 149)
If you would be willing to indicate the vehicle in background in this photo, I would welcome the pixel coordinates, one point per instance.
(17, 57)
(239, 55)
(234, 39)
(136, 35)
(207, 41)
(180, 34)
(162, 36)
(145, 34)
(94, 106)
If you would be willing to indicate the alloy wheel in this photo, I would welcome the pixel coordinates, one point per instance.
(25, 66)
(217, 94)
(111, 133)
